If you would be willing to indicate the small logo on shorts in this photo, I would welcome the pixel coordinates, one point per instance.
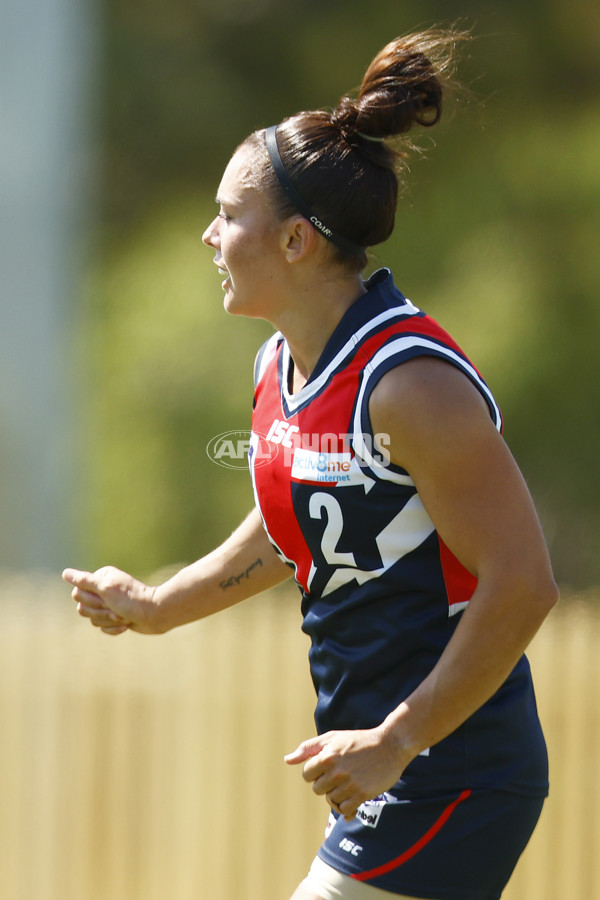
(350, 847)
(369, 812)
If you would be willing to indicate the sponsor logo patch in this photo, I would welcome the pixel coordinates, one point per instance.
(310, 465)
(369, 812)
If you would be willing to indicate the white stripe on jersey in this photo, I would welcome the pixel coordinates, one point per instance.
(266, 354)
(399, 347)
(455, 608)
(293, 401)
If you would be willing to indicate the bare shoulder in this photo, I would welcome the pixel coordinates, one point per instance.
(424, 401)
(425, 385)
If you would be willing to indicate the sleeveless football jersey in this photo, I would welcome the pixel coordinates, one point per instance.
(381, 593)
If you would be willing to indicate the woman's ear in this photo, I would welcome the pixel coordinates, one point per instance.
(299, 239)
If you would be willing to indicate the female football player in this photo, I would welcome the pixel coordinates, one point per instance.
(383, 484)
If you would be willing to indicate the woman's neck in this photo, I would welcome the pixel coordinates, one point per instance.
(308, 322)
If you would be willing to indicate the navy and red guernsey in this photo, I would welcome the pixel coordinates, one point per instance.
(381, 593)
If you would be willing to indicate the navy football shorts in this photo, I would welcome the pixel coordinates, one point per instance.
(459, 846)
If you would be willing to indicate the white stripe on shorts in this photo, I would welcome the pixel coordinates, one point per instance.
(330, 884)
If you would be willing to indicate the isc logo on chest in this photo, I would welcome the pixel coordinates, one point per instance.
(282, 432)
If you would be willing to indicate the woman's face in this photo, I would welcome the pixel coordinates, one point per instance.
(247, 241)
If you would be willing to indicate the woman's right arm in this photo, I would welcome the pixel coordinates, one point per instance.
(244, 565)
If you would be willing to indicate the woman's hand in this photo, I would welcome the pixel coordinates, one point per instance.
(349, 767)
(243, 565)
(114, 601)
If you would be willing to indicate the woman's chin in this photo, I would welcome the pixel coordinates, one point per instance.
(233, 307)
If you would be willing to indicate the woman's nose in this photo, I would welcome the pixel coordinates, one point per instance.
(209, 235)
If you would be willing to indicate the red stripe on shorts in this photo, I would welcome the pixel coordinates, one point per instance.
(416, 847)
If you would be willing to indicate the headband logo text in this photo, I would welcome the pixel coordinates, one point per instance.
(322, 228)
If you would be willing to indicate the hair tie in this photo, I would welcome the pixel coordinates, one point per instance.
(296, 200)
(370, 137)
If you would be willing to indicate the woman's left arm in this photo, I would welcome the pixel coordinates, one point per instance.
(439, 430)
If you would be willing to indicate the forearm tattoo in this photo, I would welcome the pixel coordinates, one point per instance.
(235, 579)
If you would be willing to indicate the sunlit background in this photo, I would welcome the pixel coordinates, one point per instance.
(140, 767)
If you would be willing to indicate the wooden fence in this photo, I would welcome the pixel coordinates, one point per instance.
(140, 768)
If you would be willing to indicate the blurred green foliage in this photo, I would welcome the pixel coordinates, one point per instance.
(497, 236)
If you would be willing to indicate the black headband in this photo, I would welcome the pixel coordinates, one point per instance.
(296, 200)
